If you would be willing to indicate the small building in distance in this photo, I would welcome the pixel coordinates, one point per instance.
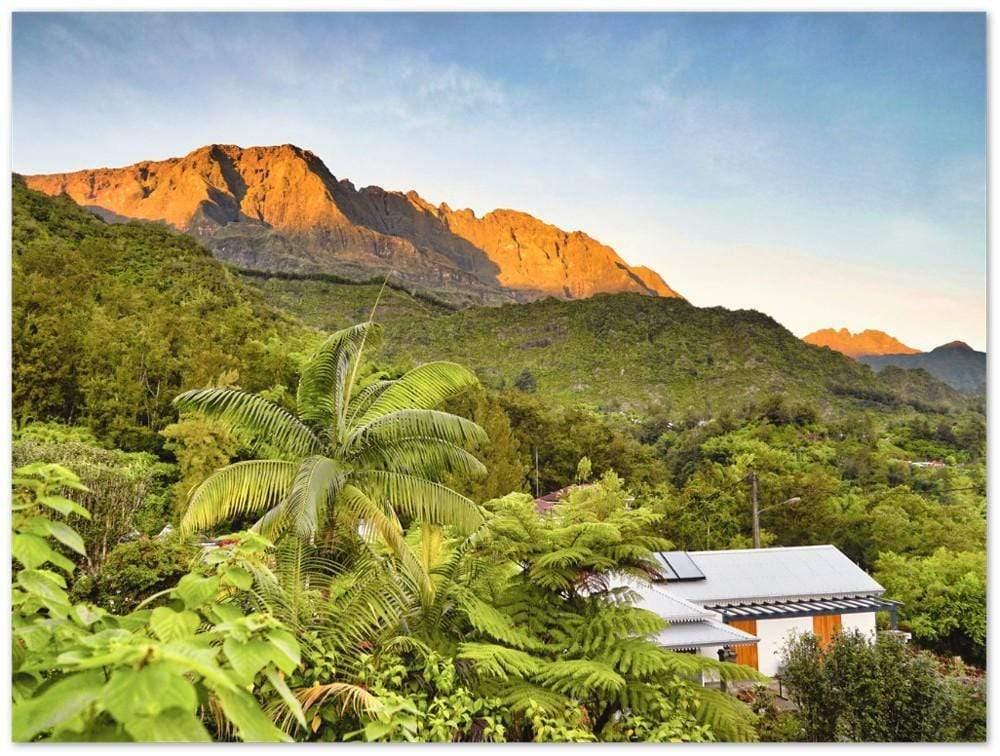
(747, 603)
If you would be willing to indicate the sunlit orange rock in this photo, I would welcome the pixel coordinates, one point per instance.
(280, 209)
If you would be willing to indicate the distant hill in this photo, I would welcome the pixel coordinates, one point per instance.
(956, 363)
(281, 209)
(858, 344)
(622, 351)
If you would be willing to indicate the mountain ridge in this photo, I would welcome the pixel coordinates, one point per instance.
(281, 209)
(867, 342)
(954, 363)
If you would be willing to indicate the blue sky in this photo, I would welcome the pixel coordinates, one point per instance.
(827, 169)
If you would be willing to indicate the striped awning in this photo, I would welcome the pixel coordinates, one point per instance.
(805, 608)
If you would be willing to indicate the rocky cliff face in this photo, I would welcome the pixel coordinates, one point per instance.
(281, 209)
(858, 344)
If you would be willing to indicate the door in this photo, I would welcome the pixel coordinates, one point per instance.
(825, 626)
(746, 653)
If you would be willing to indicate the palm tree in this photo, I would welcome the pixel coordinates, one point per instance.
(370, 448)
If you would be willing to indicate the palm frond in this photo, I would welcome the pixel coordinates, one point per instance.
(313, 490)
(243, 488)
(417, 423)
(324, 388)
(362, 399)
(424, 387)
(253, 416)
(352, 698)
(384, 524)
(427, 457)
(420, 499)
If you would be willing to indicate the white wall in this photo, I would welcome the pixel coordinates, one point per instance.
(863, 622)
(774, 634)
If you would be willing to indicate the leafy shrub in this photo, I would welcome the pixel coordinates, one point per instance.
(860, 691)
(773, 724)
(81, 673)
(126, 491)
(135, 571)
(944, 599)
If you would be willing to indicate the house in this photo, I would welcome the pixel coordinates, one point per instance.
(751, 601)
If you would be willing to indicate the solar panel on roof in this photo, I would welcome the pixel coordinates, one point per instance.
(668, 571)
(682, 566)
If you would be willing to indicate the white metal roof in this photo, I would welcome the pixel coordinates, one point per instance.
(740, 576)
(702, 633)
(669, 607)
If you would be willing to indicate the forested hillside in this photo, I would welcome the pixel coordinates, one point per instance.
(613, 352)
(111, 321)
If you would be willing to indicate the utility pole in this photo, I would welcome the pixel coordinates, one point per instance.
(756, 509)
(537, 494)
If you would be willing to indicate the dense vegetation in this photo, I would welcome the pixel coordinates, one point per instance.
(110, 321)
(669, 356)
(860, 692)
(425, 596)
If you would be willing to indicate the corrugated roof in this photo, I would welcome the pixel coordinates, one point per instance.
(671, 608)
(703, 633)
(741, 576)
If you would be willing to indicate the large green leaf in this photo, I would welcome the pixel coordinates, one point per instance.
(199, 660)
(148, 691)
(67, 536)
(32, 552)
(248, 657)
(286, 653)
(195, 590)
(252, 724)
(170, 726)
(169, 625)
(44, 584)
(59, 703)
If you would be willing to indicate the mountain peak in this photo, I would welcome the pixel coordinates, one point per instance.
(955, 346)
(280, 208)
(867, 342)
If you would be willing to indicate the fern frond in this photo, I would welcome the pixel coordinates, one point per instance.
(730, 719)
(581, 678)
(499, 661)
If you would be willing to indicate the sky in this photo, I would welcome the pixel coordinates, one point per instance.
(827, 169)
